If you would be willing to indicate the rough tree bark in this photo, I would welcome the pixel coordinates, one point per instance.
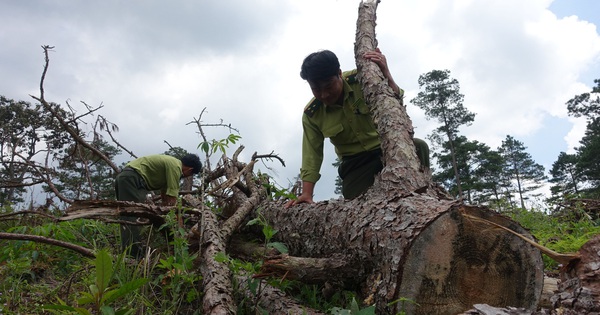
(579, 288)
(405, 236)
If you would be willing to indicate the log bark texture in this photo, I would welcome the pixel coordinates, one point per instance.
(406, 249)
(409, 238)
(579, 286)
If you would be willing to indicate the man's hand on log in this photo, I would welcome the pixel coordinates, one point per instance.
(301, 199)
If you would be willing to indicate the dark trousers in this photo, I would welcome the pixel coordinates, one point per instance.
(358, 171)
(130, 186)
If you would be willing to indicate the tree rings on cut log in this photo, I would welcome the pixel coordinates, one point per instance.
(458, 261)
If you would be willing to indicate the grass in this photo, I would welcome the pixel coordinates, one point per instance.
(563, 234)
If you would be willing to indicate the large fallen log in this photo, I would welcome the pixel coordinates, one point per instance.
(436, 257)
(412, 241)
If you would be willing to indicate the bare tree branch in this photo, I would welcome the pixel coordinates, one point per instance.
(62, 121)
(40, 239)
(270, 156)
(28, 212)
(90, 111)
(20, 184)
(108, 130)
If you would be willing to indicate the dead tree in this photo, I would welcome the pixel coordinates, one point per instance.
(405, 238)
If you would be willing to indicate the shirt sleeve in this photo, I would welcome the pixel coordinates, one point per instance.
(312, 151)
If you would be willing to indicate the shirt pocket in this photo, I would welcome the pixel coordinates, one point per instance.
(363, 116)
(361, 108)
(332, 130)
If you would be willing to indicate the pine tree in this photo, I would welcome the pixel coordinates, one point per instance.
(589, 155)
(27, 133)
(442, 100)
(465, 152)
(565, 175)
(492, 178)
(521, 168)
(588, 164)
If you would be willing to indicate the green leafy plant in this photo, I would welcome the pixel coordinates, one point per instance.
(102, 295)
(247, 269)
(177, 280)
(218, 145)
(276, 193)
(246, 305)
(15, 272)
(268, 232)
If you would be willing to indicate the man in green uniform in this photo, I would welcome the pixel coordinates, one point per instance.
(151, 173)
(338, 111)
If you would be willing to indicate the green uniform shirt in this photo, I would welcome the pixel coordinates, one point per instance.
(349, 127)
(160, 172)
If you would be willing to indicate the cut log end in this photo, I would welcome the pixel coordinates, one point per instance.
(457, 262)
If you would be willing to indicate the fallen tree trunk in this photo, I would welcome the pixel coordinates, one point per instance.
(435, 257)
(411, 240)
(215, 236)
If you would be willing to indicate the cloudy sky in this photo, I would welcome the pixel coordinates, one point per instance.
(155, 65)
